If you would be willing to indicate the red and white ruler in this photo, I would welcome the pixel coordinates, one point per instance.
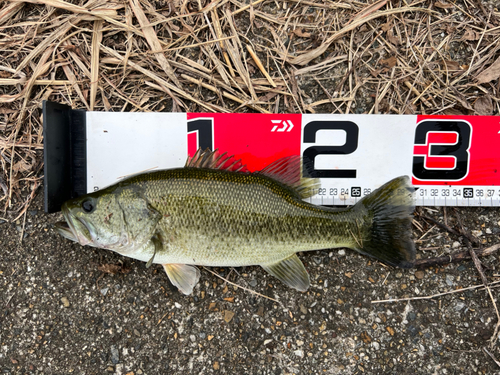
(453, 160)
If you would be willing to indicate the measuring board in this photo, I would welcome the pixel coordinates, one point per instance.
(452, 160)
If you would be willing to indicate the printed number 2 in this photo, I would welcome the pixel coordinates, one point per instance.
(310, 153)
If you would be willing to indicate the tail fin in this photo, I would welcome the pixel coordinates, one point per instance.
(388, 238)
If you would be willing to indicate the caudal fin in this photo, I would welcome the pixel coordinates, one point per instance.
(388, 237)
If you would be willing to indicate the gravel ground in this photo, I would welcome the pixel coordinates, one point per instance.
(67, 309)
(62, 313)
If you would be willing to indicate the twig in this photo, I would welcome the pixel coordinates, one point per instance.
(241, 287)
(94, 67)
(163, 317)
(479, 268)
(492, 356)
(439, 224)
(153, 41)
(260, 65)
(308, 56)
(433, 295)
(226, 94)
(455, 257)
(419, 95)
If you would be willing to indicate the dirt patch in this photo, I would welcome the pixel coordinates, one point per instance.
(65, 310)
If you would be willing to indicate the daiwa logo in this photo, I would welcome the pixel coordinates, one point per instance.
(281, 126)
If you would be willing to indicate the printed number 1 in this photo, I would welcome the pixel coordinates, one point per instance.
(204, 128)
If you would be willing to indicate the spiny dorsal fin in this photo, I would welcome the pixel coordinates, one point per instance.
(287, 170)
(215, 160)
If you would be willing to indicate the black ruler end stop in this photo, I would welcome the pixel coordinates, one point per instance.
(65, 157)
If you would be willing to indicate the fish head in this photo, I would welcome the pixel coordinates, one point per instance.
(112, 219)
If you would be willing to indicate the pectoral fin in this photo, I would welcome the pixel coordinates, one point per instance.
(183, 276)
(158, 245)
(290, 271)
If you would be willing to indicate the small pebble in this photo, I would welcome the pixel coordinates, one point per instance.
(342, 251)
(65, 301)
(459, 306)
(456, 244)
(228, 315)
(178, 305)
(366, 337)
(449, 280)
(419, 275)
(299, 353)
(104, 291)
(488, 231)
(115, 355)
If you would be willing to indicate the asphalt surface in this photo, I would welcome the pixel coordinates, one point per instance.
(67, 309)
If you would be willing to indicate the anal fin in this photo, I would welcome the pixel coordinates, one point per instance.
(183, 276)
(290, 271)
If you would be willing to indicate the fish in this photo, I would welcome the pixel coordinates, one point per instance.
(214, 212)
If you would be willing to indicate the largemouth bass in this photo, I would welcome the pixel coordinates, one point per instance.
(213, 212)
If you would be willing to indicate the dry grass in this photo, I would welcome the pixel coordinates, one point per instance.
(406, 57)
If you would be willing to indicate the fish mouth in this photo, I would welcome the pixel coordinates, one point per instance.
(74, 228)
(65, 230)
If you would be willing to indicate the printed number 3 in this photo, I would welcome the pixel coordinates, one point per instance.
(459, 150)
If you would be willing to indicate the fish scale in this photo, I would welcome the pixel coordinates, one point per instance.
(221, 222)
(213, 212)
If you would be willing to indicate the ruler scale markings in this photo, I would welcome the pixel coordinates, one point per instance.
(451, 159)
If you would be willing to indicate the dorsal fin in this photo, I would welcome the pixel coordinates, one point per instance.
(287, 170)
(215, 160)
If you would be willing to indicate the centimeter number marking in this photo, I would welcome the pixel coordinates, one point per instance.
(451, 196)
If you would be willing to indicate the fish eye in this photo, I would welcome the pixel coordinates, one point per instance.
(88, 205)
